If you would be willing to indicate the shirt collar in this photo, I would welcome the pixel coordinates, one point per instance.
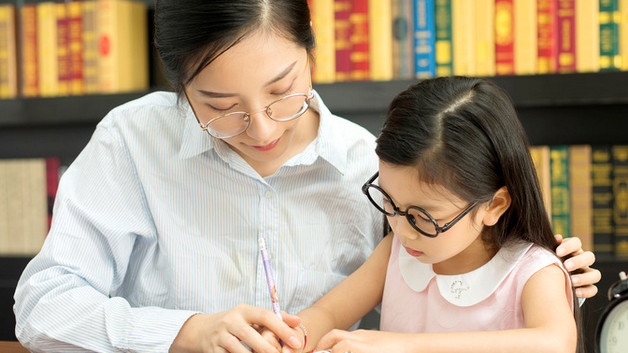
(465, 289)
(328, 145)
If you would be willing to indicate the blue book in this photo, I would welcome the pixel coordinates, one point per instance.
(424, 39)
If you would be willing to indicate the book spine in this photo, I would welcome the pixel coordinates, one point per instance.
(602, 199)
(28, 51)
(526, 37)
(609, 35)
(444, 44)
(403, 39)
(90, 47)
(342, 27)
(107, 25)
(323, 24)
(424, 39)
(547, 36)
(380, 40)
(566, 36)
(587, 36)
(359, 39)
(463, 38)
(8, 52)
(504, 37)
(580, 191)
(620, 205)
(541, 159)
(75, 46)
(139, 46)
(47, 49)
(484, 25)
(63, 50)
(623, 34)
(559, 173)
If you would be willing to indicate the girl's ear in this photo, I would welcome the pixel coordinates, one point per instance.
(497, 206)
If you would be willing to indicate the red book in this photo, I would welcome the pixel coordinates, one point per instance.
(52, 183)
(504, 37)
(75, 46)
(342, 28)
(547, 52)
(63, 49)
(566, 38)
(359, 40)
(28, 39)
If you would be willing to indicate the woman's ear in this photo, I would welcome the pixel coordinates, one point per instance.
(497, 206)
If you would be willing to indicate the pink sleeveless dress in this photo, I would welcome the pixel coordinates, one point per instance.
(489, 298)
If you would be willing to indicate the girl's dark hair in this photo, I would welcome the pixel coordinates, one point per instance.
(190, 34)
(464, 134)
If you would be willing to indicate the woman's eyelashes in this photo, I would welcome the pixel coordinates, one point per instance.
(232, 107)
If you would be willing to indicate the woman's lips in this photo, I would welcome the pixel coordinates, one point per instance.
(267, 147)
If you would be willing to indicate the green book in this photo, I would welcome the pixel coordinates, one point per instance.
(559, 187)
(609, 35)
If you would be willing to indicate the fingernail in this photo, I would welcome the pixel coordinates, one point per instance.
(575, 281)
(569, 265)
(560, 251)
(294, 341)
(578, 293)
(286, 350)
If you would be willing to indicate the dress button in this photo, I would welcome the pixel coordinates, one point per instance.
(268, 194)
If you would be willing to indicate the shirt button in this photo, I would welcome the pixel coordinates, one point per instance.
(268, 194)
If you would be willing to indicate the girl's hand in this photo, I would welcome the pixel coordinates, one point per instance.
(293, 321)
(585, 278)
(361, 341)
(228, 331)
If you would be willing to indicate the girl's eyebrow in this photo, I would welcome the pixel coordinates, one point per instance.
(281, 75)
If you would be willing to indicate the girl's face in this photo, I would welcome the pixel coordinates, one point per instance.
(260, 69)
(457, 250)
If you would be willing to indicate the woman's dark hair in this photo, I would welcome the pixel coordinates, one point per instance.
(190, 34)
(463, 134)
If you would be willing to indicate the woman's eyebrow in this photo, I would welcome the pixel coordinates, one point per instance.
(283, 74)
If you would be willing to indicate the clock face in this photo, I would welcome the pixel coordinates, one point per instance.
(614, 335)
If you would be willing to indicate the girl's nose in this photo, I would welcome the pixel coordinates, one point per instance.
(402, 227)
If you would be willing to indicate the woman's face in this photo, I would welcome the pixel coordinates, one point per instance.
(260, 69)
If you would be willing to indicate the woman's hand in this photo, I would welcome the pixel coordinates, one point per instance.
(584, 278)
(228, 331)
(293, 321)
(362, 341)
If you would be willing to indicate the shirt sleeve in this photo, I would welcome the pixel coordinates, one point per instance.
(66, 299)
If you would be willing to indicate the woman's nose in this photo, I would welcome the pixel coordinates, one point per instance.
(261, 127)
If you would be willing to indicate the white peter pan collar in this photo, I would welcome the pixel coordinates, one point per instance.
(468, 288)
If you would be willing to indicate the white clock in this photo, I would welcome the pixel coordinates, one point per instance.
(612, 328)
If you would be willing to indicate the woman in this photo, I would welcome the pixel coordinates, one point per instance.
(153, 245)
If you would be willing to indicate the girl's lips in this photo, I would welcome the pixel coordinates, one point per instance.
(413, 253)
(267, 147)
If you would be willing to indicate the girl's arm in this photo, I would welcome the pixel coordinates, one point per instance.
(350, 300)
(550, 327)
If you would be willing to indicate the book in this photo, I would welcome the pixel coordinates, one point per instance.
(8, 52)
(463, 38)
(587, 36)
(566, 36)
(380, 40)
(444, 44)
(623, 34)
(484, 27)
(139, 47)
(342, 30)
(403, 39)
(29, 72)
(602, 202)
(580, 194)
(359, 38)
(47, 68)
(90, 52)
(609, 35)
(63, 50)
(75, 46)
(526, 37)
(620, 204)
(504, 37)
(559, 176)
(547, 33)
(424, 39)
(541, 158)
(323, 24)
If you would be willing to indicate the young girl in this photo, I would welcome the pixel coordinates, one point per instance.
(471, 265)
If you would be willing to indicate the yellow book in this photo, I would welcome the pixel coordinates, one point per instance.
(587, 36)
(541, 159)
(484, 33)
(380, 40)
(580, 188)
(463, 37)
(75, 46)
(138, 53)
(525, 44)
(110, 17)
(63, 49)
(323, 24)
(47, 68)
(89, 38)
(8, 52)
(623, 34)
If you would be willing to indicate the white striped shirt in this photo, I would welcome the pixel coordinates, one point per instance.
(155, 221)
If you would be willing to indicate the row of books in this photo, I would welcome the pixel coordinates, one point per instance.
(69, 48)
(406, 39)
(585, 189)
(27, 191)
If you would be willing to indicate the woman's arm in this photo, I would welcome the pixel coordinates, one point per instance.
(550, 327)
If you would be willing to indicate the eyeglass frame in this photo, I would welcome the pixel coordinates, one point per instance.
(308, 97)
(407, 216)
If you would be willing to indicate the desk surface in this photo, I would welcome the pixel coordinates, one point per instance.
(12, 347)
